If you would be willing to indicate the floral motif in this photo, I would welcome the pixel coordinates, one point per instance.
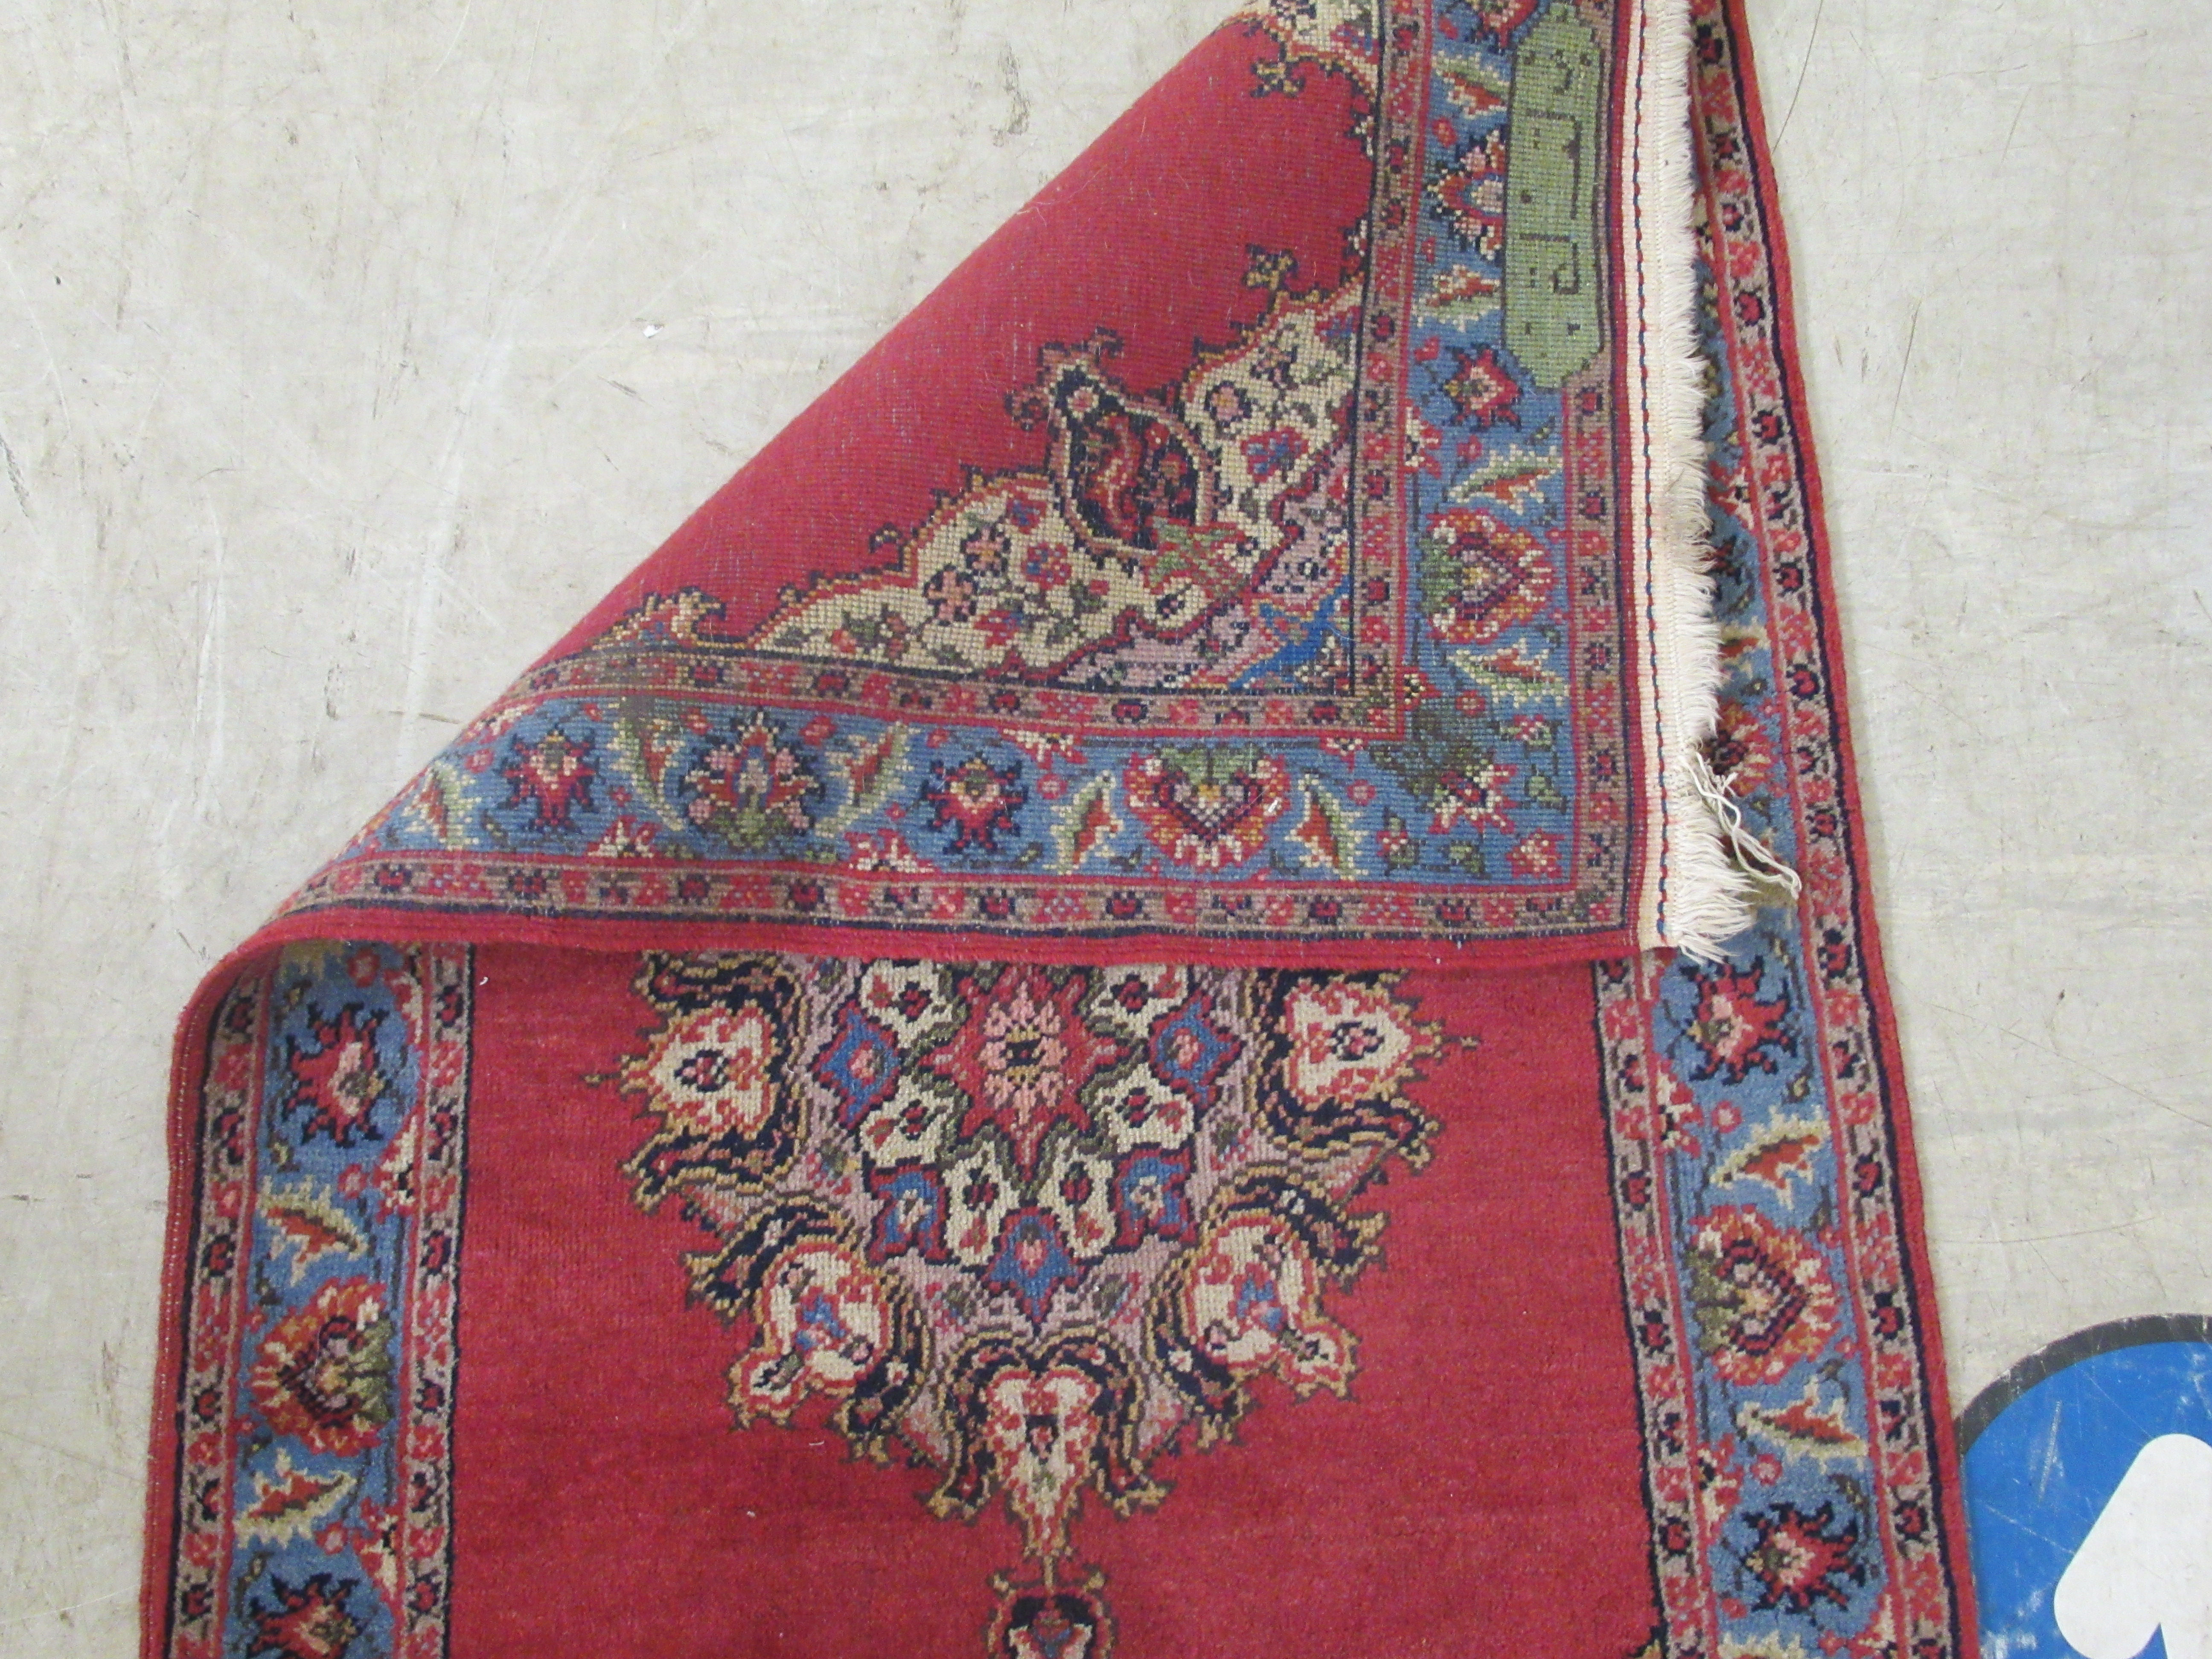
(1042, 1423)
(1735, 1031)
(1247, 1301)
(1341, 1048)
(1471, 191)
(338, 1082)
(713, 1076)
(1483, 392)
(325, 1374)
(1033, 1622)
(1032, 1264)
(1471, 796)
(1802, 1559)
(1763, 1299)
(1029, 1222)
(825, 1323)
(306, 1620)
(750, 789)
(1025, 1119)
(552, 777)
(1535, 855)
(1135, 477)
(975, 803)
(1209, 808)
(1023, 1058)
(1481, 576)
(1461, 782)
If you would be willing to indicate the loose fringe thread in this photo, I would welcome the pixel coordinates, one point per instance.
(1707, 898)
(1759, 861)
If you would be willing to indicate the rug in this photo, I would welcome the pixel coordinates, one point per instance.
(1194, 976)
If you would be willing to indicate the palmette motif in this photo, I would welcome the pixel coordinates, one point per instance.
(1034, 1228)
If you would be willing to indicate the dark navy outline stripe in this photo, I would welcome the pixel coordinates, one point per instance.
(2069, 1350)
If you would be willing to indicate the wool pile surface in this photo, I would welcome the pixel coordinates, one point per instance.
(1104, 1014)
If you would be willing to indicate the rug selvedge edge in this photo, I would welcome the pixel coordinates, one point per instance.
(309, 1399)
(1802, 991)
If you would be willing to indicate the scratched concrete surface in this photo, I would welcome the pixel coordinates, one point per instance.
(350, 352)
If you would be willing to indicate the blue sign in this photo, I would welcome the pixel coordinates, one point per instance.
(2089, 1488)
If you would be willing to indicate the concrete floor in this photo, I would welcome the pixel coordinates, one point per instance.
(352, 351)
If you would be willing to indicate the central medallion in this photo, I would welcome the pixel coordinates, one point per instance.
(1026, 1226)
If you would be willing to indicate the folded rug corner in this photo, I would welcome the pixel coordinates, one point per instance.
(1141, 938)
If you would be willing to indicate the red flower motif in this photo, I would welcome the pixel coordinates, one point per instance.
(1536, 855)
(751, 790)
(307, 1621)
(977, 802)
(1048, 566)
(1803, 1557)
(1476, 799)
(1209, 808)
(952, 596)
(1482, 390)
(1268, 453)
(1735, 1029)
(552, 777)
(1022, 1057)
(1472, 192)
(338, 1082)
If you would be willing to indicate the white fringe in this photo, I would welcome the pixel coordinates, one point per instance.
(1696, 898)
